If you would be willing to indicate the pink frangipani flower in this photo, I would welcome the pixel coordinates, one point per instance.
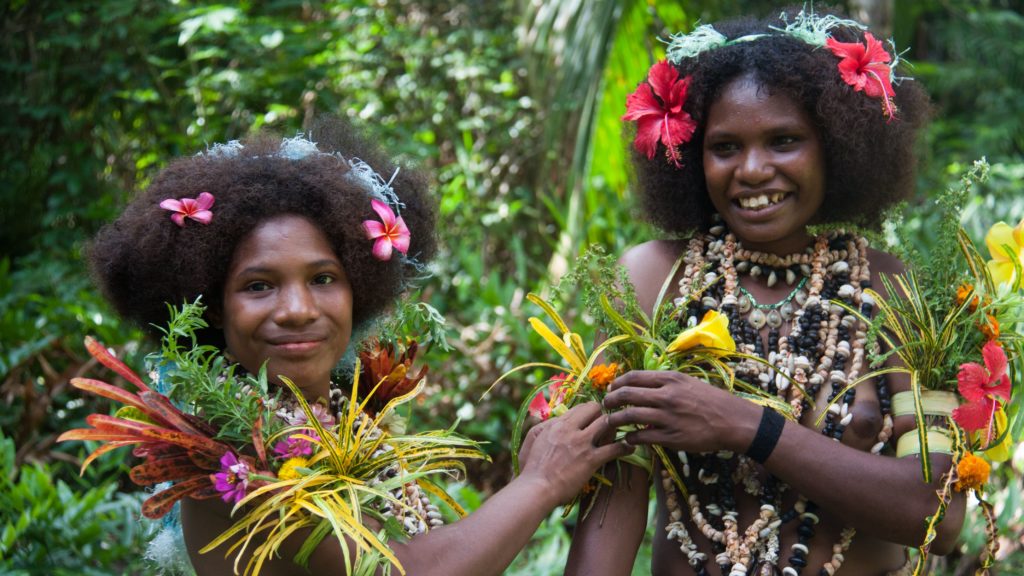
(197, 209)
(982, 387)
(233, 479)
(390, 232)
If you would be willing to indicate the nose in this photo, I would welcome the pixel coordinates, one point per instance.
(297, 306)
(755, 167)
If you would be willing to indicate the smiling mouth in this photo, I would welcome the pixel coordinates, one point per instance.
(297, 347)
(761, 201)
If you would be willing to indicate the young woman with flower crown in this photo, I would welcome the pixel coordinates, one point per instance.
(293, 245)
(750, 134)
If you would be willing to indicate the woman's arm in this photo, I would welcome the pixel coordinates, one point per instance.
(605, 542)
(878, 495)
(558, 457)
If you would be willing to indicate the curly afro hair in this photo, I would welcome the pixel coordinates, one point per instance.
(143, 261)
(870, 160)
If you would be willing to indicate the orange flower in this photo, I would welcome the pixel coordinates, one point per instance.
(602, 375)
(990, 328)
(972, 473)
(963, 292)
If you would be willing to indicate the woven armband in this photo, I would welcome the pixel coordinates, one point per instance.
(939, 442)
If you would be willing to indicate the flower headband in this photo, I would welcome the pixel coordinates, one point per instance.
(657, 104)
(390, 232)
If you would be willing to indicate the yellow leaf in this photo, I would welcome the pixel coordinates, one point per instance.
(556, 343)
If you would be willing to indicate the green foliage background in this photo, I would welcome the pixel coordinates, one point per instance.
(513, 107)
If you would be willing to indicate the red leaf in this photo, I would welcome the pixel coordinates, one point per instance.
(205, 461)
(104, 357)
(165, 469)
(120, 425)
(100, 388)
(159, 504)
(187, 441)
(152, 449)
(167, 411)
(103, 450)
(100, 435)
(205, 493)
(257, 439)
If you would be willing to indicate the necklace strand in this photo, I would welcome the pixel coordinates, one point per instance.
(777, 305)
(825, 345)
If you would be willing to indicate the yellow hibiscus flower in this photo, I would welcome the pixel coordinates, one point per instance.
(1002, 265)
(712, 332)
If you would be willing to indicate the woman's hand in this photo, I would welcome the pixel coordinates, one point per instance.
(563, 452)
(680, 412)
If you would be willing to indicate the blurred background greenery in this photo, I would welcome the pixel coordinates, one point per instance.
(513, 106)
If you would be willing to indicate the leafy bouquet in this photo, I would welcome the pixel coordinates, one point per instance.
(286, 465)
(705, 350)
(954, 322)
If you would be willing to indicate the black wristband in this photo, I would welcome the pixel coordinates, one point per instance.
(768, 433)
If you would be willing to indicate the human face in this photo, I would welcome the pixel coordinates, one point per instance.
(287, 301)
(764, 167)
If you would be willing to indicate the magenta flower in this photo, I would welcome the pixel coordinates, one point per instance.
(197, 209)
(390, 233)
(295, 447)
(981, 386)
(233, 479)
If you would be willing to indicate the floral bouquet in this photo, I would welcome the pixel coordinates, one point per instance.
(285, 464)
(705, 350)
(954, 323)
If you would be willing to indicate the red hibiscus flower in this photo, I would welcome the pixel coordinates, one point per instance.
(541, 407)
(981, 386)
(657, 107)
(865, 67)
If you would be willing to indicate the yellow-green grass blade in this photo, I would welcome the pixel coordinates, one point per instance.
(549, 310)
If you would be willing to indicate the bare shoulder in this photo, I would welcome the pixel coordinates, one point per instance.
(885, 263)
(649, 265)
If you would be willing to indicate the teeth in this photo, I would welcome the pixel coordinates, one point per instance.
(757, 202)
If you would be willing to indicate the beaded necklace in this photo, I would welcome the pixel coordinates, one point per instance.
(825, 344)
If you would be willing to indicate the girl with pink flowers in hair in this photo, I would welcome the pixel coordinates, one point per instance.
(764, 145)
(293, 244)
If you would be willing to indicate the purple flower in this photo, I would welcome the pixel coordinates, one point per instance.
(295, 447)
(233, 479)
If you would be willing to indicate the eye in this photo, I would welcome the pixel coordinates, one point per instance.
(257, 286)
(723, 147)
(323, 279)
(785, 141)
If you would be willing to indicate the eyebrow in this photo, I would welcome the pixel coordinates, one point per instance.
(322, 263)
